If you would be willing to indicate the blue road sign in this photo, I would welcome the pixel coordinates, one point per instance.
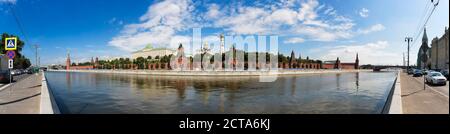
(11, 43)
(11, 54)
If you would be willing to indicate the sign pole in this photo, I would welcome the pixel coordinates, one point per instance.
(11, 46)
(10, 89)
(10, 66)
(424, 83)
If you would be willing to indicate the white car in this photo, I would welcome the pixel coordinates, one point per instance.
(13, 72)
(435, 78)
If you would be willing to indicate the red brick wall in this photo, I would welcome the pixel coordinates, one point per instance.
(328, 66)
(81, 67)
(348, 66)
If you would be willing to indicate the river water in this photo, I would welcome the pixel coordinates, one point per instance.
(96, 93)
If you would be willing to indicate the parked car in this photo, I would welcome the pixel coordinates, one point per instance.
(424, 72)
(410, 71)
(29, 71)
(435, 78)
(5, 73)
(445, 73)
(417, 73)
(25, 71)
(22, 71)
(13, 72)
(429, 71)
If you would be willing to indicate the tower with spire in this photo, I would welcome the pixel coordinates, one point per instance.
(292, 60)
(337, 64)
(357, 62)
(68, 60)
(423, 51)
(222, 43)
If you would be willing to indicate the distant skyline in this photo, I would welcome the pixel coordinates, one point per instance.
(320, 29)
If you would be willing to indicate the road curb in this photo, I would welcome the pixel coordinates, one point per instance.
(394, 102)
(48, 104)
(5, 86)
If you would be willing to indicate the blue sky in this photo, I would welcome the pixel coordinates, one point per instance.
(320, 29)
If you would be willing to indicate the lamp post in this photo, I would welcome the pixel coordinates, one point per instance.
(408, 39)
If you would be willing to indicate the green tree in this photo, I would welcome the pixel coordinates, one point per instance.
(140, 61)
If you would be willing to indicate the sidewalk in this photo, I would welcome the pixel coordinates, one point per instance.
(24, 98)
(415, 100)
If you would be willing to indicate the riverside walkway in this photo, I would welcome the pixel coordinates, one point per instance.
(22, 96)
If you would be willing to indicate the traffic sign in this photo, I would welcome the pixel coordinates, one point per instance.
(11, 54)
(10, 63)
(11, 43)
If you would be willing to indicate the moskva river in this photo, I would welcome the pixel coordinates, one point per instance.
(100, 93)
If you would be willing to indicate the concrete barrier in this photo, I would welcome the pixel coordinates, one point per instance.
(48, 104)
(394, 102)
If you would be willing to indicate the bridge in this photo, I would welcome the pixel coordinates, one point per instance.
(377, 68)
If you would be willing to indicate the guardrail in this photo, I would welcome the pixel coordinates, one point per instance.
(393, 103)
(48, 104)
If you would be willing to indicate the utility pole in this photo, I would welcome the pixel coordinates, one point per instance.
(409, 40)
(404, 60)
(36, 46)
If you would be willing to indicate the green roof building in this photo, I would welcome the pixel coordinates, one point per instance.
(153, 52)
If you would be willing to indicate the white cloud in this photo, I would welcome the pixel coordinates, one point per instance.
(157, 26)
(8, 1)
(249, 20)
(374, 28)
(307, 11)
(294, 40)
(159, 36)
(213, 12)
(322, 34)
(370, 53)
(288, 20)
(364, 12)
(301, 18)
(329, 10)
(287, 3)
(284, 15)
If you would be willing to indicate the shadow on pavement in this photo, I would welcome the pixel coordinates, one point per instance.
(22, 99)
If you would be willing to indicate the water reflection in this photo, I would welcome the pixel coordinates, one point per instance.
(120, 93)
(357, 82)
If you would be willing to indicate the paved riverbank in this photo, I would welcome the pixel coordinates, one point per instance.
(394, 102)
(416, 100)
(21, 97)
(215, 73)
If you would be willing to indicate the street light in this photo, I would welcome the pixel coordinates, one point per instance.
(409, 40)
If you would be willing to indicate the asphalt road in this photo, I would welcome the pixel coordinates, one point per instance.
(437, 88)
(416, 100)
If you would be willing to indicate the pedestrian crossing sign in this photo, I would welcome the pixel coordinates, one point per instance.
(11, 43)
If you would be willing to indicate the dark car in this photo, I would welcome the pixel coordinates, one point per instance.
(445, 73)
(5, 76)
(424, 72)
(29, 71)
(417, 73)
(410, 71)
